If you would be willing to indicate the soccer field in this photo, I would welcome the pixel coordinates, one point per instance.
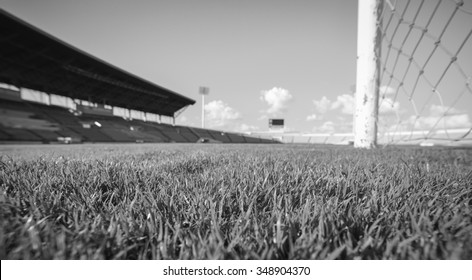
(212, 201)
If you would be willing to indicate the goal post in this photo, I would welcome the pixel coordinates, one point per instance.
(368, 73)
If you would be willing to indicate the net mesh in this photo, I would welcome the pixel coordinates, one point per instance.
(426, 64)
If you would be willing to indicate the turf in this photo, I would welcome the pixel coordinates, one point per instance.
(234, 202)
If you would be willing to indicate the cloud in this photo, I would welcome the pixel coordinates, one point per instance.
(345, 102)
(246, 128)
(442, 117)
(388, 107)
(439, 110)
(312, 117)
(326, 127)
(387, 90)
(449, 122)
(219, 114)
(184, 120)
(323, 105)
(335, 127)
(277, 99)
(262, 117)
(437, 118)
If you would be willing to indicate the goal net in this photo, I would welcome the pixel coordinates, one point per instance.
(423, 72)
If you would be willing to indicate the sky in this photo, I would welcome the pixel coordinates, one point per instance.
(261, 59)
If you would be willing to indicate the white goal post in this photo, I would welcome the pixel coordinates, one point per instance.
(413, 83)
(368, 73)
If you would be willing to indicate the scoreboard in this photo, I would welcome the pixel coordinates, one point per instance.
(276, 123)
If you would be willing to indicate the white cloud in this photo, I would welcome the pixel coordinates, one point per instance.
(386, 90)
(436, 119)
(277, 99)
(326, 127)
(439, 110)
(184, 120)
(388, 107)
(312, 117)
(246, 128)
(449, 122)
(262, 117)
(219, 114)
(442, 117)
(345, 102)
(323, 105)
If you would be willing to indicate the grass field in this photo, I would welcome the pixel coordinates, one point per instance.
(190, 201)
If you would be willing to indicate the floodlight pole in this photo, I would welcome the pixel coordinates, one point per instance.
(203, 110)
(203, 91)
(368, 73)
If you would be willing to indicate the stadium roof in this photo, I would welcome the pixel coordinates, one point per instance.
(31, 58)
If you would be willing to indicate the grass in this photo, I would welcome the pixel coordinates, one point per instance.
(234, 202)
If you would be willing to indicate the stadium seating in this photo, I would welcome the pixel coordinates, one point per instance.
(188, 134)
(70, 73)
(266, 141)
(220, 136)
(15, 134)
(251, 139)
(117, 135)
(235, 138)
(175, 137)
(19, 123)
(202, 133)
(4, 136)
(24, 121)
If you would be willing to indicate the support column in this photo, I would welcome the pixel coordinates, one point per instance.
(49, 98)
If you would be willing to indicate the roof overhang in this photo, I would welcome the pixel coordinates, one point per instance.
(33, 59)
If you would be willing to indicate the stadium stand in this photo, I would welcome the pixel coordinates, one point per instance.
(15, 134)
(251, 139)
(4, 136)
(18, 123)
(151, 130)
(26, 121)
(202, 133)
(34, 60)
(219, 136)
(34, 122)
(188, 134)
(235, 138)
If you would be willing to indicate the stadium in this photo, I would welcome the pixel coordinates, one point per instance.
(38, 65)
(93, 164)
